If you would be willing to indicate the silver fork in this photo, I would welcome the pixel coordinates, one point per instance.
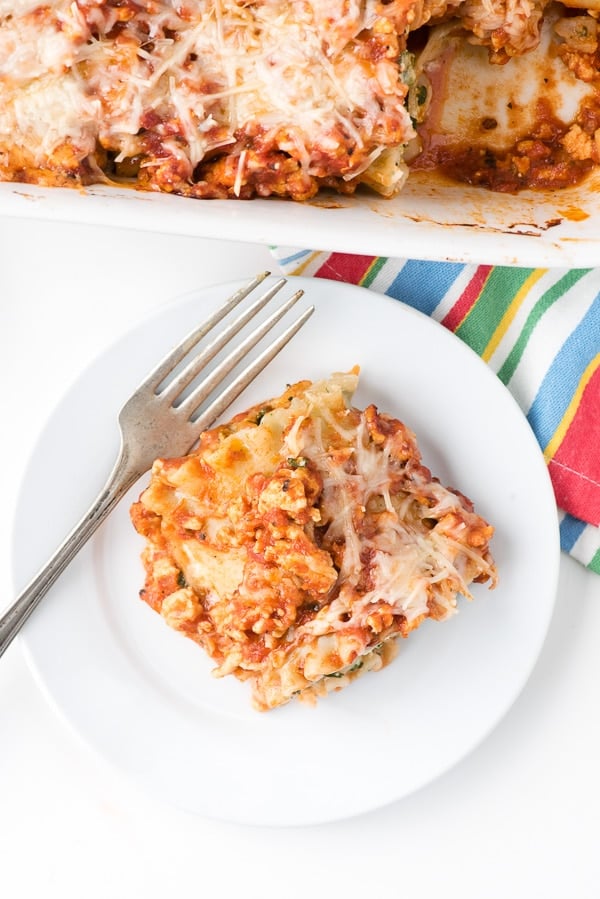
(160, 419)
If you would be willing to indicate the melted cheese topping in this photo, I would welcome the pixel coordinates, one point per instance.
(306, 536)
(170, 85)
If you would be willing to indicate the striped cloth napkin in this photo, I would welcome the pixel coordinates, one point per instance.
(538, 329)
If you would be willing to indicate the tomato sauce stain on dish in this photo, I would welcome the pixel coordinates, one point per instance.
(574, 214)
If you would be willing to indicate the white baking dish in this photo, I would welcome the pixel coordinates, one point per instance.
(431, 219)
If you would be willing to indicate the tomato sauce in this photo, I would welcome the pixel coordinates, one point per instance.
(538, 161)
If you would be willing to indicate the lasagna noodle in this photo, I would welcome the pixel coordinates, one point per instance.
(302, 538)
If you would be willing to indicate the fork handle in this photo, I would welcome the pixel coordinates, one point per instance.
(122, 477)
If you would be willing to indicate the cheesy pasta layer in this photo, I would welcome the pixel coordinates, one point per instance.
(244, 98)
(204, 98)
(302, 538)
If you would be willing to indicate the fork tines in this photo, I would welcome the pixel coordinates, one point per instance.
(171, 390)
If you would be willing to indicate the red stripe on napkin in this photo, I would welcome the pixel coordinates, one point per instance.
(341, 267)
(575, 466)
(467, 299)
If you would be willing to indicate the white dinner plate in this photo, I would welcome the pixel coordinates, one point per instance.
(142, 694)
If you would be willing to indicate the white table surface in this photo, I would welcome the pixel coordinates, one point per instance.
(518, 818)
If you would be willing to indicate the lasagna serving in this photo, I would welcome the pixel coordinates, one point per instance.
(243, 98)
(302, 539)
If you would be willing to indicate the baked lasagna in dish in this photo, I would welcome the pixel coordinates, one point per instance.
(239, 98)
(205, 98)
(302, 539)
